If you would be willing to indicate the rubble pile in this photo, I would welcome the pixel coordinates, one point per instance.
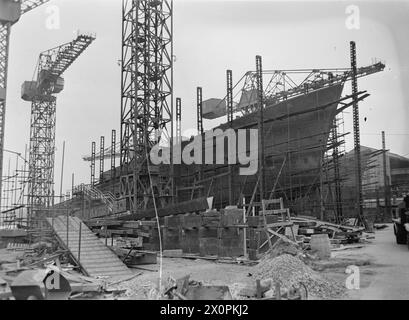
(290, 271)
(284, 248)
(136, 288)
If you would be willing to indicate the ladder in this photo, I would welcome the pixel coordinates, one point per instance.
(273, 229)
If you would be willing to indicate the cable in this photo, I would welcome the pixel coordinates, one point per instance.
(388, 134)
(157, 220)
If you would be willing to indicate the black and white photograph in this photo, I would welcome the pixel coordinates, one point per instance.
(209, 155)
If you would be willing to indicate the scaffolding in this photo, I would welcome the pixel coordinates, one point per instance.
(357, 138)
(309, 190)
(13, 210)
(101, 159)
(93, 159)
(13, 12)
(147, 100)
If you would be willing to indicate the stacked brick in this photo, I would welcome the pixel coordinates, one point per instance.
(210, 233)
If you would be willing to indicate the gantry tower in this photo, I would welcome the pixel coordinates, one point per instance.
(146, 108)
(42, 95)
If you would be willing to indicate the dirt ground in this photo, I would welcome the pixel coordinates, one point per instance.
(207, 272)
(383, 270)
(387, 278)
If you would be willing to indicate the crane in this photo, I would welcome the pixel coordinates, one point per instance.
(107, 154)
(286, 84)
(10, 13)
(42, 95)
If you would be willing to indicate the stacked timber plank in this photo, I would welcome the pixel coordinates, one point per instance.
(338, 234)
(209, 233)
(219, 233)
(88, 251)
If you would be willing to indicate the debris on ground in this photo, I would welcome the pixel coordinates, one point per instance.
(137, 289)
(290, 271)
(380, 226)
(338, 234)
(282, 247)
(282, 273)
(348, 247)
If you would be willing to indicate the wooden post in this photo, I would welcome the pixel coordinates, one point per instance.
(244, 229)
(67, 225)
(62, 171)
(79, 242)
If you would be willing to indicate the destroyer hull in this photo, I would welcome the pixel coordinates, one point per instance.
(295, 133)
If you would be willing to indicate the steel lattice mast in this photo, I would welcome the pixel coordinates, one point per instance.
(147, 108)
(357, 136)
(10, 13)
(337, 175)
(52, 64)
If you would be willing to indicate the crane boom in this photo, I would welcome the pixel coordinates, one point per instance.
(58, 60)
(315, 80)
(107, 154)
(52, 64)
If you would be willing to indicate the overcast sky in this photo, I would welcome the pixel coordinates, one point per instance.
(210, 37)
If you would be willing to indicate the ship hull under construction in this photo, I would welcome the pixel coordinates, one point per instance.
(296, 133)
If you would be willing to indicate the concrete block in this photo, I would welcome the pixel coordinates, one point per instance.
(272, 219)
(230, 233)
(191, 221)
(190, 241)
(232, 243)
(173, 253)
(252, 254)
(211, 221)
(151, 246)
(172, 222)
(145, 258)
(258, 221)
(171, 239)
(208, 232)
(233, 212)
(231, 220)
(208, 246)
(231, 252)
(256, 239)
(254, 221)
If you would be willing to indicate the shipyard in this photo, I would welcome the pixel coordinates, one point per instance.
(203, 150)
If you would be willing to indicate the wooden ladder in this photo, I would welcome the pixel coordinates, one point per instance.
(285, 222)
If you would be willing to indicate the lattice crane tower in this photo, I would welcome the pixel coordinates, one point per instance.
(42, 95)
